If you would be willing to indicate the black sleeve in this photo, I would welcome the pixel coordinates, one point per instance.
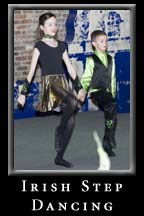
(63, 46)
(38, 46)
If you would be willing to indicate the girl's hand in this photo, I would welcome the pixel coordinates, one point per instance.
(21, 100)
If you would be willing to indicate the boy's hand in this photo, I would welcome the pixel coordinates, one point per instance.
(81, 95)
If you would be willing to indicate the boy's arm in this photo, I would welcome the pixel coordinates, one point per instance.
(113, 79)
(87, 75)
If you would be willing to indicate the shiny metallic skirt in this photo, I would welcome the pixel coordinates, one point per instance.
(54, 89)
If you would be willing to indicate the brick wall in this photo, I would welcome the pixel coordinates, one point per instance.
(25, 26)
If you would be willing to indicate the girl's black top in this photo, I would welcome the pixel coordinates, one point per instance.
(50, 58)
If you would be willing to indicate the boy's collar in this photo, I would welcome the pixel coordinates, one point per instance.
(97, 52)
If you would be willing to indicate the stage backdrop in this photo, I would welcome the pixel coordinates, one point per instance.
(78, 27)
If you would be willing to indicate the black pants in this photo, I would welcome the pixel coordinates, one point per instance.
(102, 99)
(107, 103)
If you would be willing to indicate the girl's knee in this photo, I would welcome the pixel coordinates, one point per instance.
(71, 122)
(73, 104)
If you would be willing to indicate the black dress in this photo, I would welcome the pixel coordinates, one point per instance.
(53, 80)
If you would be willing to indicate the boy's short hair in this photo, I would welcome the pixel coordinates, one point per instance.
(95, 34)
